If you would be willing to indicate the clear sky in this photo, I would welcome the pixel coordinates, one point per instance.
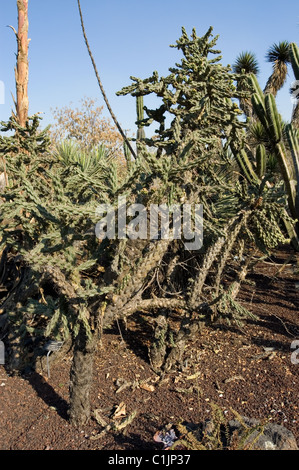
(131, 37)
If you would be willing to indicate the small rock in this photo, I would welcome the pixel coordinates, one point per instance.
(273, 437)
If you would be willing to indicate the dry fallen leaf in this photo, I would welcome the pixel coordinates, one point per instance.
(120, 411)
(194, 376)
(147, 387)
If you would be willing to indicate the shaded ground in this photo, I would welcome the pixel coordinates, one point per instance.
(247, 369)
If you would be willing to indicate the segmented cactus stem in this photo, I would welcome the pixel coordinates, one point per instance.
(246, 167)
(261, 159)
(140, 117)
(294, 54)
(273, 117)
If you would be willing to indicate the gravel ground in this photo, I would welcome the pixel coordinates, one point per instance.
(248, 369)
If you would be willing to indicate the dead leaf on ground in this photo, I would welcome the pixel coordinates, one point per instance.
(120, 411)
(147, 387)
(194, 376)
(232, 379)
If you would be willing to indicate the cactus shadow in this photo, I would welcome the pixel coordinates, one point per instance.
(47, 393)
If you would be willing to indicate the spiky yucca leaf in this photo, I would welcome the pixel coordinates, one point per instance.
(70, 152)
(246, 62)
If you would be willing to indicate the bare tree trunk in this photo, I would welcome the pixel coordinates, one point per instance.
(21, 71)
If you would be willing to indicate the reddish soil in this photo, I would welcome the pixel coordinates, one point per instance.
(229, 365)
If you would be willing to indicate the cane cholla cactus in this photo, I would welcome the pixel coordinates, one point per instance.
(94, 282)
(190, 97)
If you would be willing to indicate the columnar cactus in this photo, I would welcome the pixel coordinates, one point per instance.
(261, 157)
(247, 168)
(294, 56)
(266, 110)
(140, 117)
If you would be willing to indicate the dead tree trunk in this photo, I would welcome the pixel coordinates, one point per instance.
(21, 71)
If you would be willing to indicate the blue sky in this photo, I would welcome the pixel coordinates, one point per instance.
(130, 37)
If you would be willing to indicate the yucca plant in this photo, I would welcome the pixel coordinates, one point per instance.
(245, 64)
(279, 56)
(90, 161)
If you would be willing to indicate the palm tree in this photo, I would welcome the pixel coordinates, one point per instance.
(279, 56)
(245, 64)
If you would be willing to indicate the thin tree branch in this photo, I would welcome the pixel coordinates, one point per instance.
(101, 85)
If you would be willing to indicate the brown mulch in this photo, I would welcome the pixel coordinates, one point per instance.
(246, 368)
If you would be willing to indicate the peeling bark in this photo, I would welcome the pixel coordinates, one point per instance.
(21, 71)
